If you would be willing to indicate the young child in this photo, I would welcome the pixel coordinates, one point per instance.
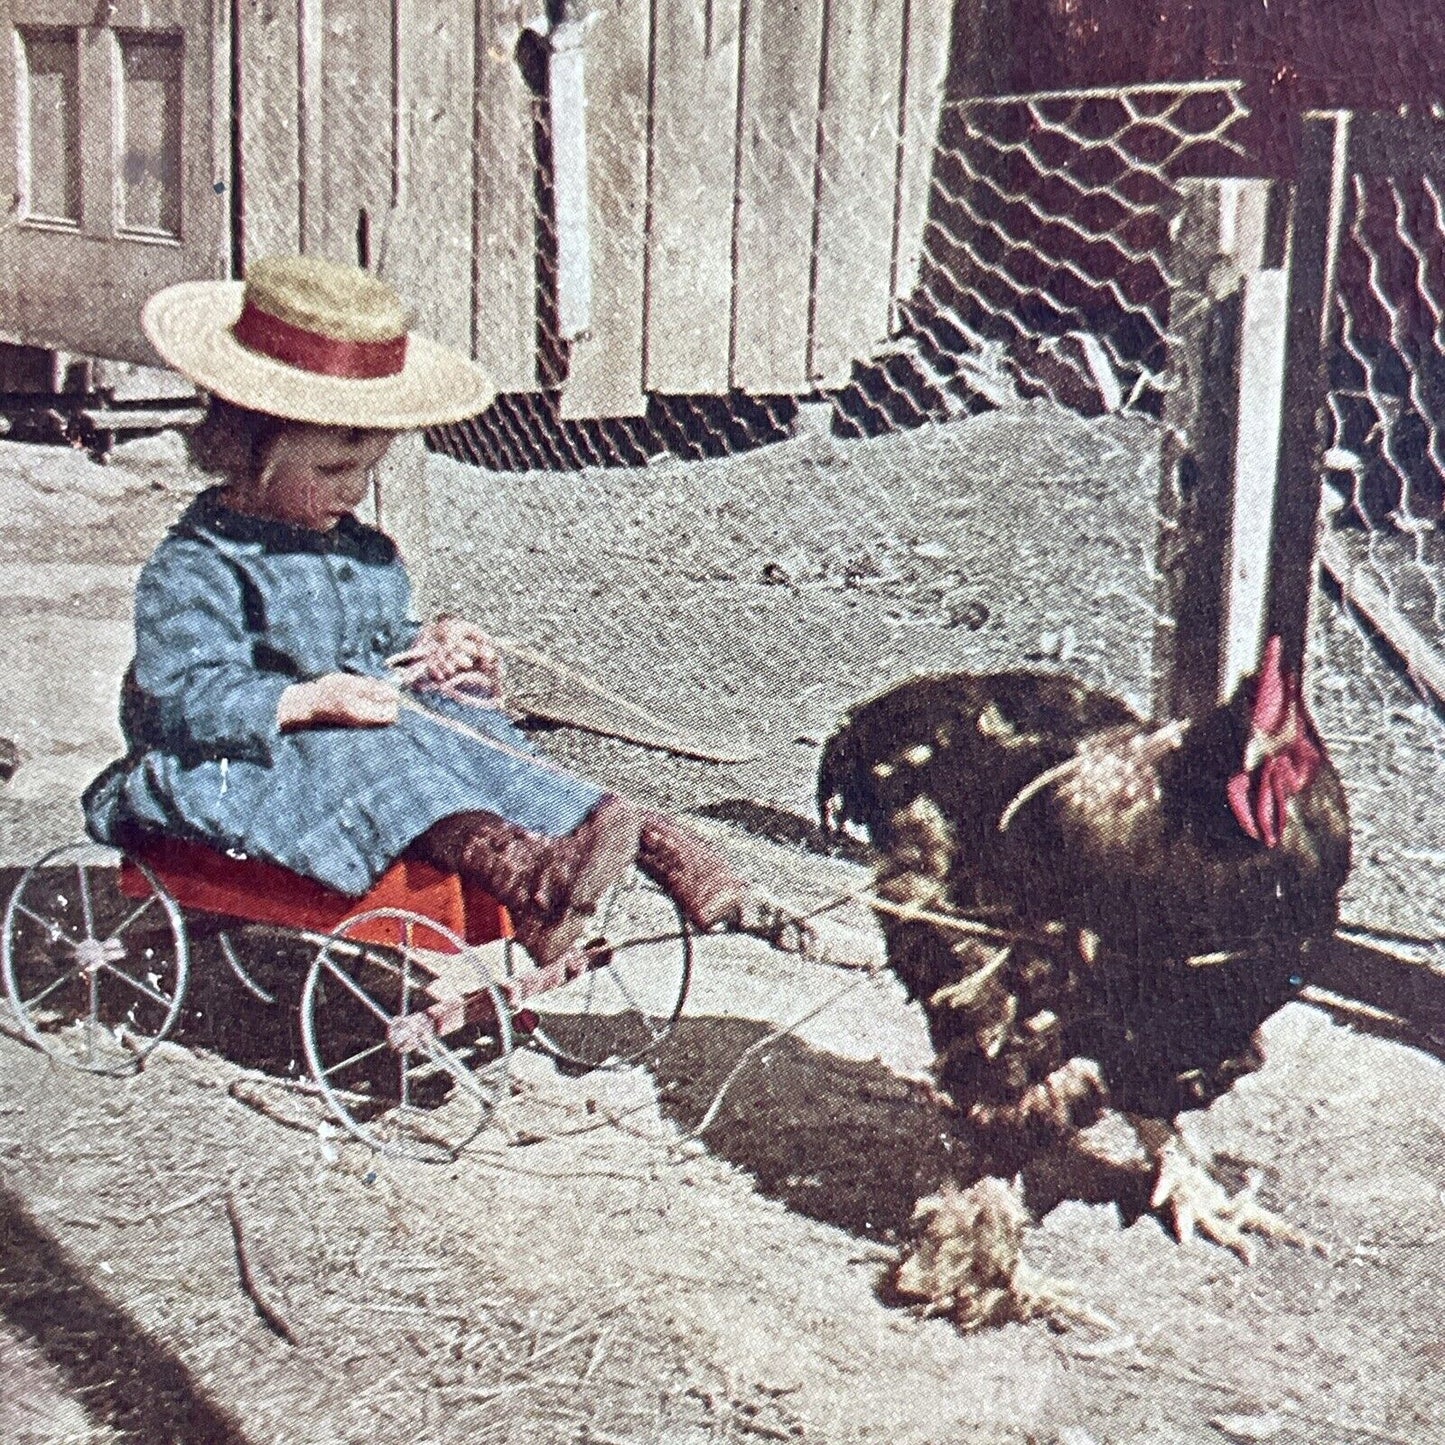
(263, 713)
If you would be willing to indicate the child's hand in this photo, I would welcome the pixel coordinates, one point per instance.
(450, 648)
(339, 699)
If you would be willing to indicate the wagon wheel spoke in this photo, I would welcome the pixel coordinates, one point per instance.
(341, 976)
(356, 1058)
(406, 948)
(92, 1022)
(50, 925)
(132, 916)
(66, 977)
(153, 994)
(451, 1062)
(87, 909)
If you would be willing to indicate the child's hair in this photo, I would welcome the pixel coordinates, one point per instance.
(232, 440)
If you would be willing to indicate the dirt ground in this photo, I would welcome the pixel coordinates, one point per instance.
(593, 1270)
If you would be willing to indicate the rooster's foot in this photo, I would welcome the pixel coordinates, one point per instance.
(1195, 1200)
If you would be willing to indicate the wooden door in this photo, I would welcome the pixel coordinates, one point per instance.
(114, 155)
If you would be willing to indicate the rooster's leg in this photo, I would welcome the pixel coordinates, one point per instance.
(1193, 1199)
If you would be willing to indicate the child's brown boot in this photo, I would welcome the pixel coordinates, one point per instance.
(707, 890)
(692, 872)
(550, 886)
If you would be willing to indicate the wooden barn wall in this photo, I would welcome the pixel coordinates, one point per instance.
(693, 149)
(502, 163)
(400, 133)
(757, 177)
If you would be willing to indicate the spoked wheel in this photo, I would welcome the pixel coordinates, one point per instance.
(626, 1002)
(95, 978)
(407, 1040)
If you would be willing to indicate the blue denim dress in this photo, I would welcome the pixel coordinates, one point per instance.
(230, 611)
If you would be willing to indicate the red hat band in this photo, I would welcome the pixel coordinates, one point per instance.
(282, 341)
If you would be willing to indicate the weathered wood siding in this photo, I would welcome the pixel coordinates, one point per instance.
(502, 165)
(756, 173)
(114, 157)
(605, 375)
(692, 151)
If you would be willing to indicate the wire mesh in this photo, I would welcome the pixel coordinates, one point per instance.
(1383, 413)
(1047, 252)
(1042, 269)
(803, 325)
(1387, 396)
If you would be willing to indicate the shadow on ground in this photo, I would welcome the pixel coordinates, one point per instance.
(845, 1142)
(842, 1141)
(126, 1379)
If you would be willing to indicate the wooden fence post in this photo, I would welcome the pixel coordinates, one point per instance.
(1318, 219)
(1219, 242)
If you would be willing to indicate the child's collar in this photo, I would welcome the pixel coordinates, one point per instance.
(241, 533)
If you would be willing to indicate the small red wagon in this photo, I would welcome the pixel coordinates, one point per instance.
(411, 1002)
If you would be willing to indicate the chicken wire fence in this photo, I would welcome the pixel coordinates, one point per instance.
(1040, 288)
(1387, 374)
(1047, 251)
(1041, 268)
(1382, 414)
(1040, 274)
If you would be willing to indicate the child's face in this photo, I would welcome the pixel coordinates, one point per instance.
(314, 475)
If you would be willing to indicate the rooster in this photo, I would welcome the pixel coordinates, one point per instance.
(1095, 912)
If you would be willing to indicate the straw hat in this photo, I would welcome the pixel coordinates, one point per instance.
(313, 341)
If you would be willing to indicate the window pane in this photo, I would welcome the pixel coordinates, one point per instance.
(151, 131)
(50, 187)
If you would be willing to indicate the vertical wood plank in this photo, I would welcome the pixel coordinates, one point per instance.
(428, 254)
(311, 129)
(858, 157)
(604, 375)
(690, 195)
(358, 123)
(773, 226)
(270, 119)
(1318, 220)
(1256, 456)
(1195, 490)
(928, 41)
(504, 192)
(224, 162)
(15, 159)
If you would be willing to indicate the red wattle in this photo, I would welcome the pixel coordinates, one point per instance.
(1238, 791)
(1266, 805)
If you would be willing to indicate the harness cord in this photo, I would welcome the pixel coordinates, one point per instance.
(868, 896)
(782, 1031)
(1171, 733)
(865, 895)
(523, 653)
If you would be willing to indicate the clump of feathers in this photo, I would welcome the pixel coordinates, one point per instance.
(965, 1262)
